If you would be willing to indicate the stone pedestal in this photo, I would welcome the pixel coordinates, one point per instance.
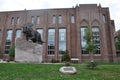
(28, 52)
(68, 70)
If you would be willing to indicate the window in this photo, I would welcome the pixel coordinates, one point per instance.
(103, 18)
(38, 19)
(60, 19)
(83, 41)
(96, 38)
(7, 46)
(62, 41)
(18, 20)
(8, 41)
(51, 41)
(41, 32)
(18, 33)
(9, 35)
(54, 19)
(72, 19)
(12, 21)
(32, 19)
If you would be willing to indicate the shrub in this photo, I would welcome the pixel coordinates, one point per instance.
(67, 63)
(12, 52)
(91, 65)
(66, 56)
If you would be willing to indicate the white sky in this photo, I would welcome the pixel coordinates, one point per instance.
(10, 5)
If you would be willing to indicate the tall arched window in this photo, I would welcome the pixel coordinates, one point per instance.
(8, 40)
(51, 41)
(96, 38)
(83, 41)
(62, 40)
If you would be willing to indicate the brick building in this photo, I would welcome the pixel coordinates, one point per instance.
(62, 29)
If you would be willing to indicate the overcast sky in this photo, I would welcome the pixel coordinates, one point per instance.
(10, 5)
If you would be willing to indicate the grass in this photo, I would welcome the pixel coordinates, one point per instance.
(17, 71)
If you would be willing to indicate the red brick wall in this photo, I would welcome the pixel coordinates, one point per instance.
(84, 14)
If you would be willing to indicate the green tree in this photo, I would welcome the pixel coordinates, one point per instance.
(12, 52)
(117, 43)
(66, 56)
(90, 47)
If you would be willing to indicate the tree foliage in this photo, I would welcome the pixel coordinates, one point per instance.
(117, 43)
(90, 46)
(66, 56)
(12, 52)
(88, 35)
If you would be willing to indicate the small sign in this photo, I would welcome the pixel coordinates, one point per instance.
(68, 70)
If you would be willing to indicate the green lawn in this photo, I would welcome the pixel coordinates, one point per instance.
(16, 71)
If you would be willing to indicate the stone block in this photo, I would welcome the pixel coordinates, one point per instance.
(27, 52)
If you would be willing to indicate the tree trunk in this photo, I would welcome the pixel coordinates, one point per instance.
(91, 57)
